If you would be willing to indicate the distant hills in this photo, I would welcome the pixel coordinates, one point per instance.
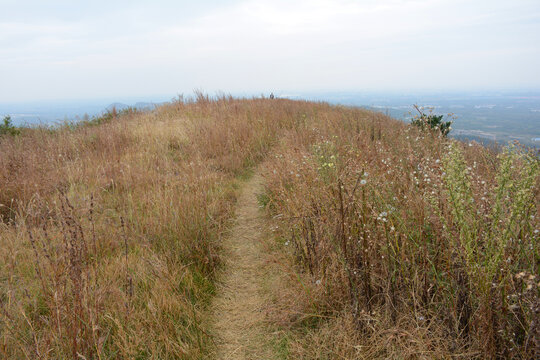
(55, 112)
(138, 105)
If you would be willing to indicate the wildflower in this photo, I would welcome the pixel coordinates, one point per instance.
(363, 182)
(318, 282)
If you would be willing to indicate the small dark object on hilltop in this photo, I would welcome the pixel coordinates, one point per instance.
(271, 95)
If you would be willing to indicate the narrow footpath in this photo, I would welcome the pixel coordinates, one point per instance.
(238, 308)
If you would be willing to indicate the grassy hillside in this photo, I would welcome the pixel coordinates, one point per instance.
(409, 245)
(110, 233)
(401, 244)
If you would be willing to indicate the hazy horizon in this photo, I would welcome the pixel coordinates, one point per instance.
(300, 93)
(62, 50)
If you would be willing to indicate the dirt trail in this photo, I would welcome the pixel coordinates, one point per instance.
(238, 307)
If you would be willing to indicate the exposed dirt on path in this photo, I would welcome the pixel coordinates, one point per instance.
(238, 309)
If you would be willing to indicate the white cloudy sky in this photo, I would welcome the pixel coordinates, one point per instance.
(87, 49)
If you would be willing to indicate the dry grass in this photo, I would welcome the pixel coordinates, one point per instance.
(400, 244)
(110, 232)
(238, 318)
(406, 244)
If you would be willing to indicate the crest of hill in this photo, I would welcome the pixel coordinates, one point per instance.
(397, 240)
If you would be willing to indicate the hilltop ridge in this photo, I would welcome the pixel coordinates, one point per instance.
(363, 237)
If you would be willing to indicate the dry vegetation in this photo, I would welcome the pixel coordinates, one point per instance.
(110, 231)
(400, 243)
(409, 245)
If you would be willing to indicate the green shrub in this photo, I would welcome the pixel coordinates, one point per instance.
(431, 122)
(7, 128)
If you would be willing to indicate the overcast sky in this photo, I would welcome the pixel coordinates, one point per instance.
(58, 49)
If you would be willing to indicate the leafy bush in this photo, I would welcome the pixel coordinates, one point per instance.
(431, 121)
(7, 128)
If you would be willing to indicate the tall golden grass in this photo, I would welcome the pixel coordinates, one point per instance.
(409, 245)
(110, 231)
